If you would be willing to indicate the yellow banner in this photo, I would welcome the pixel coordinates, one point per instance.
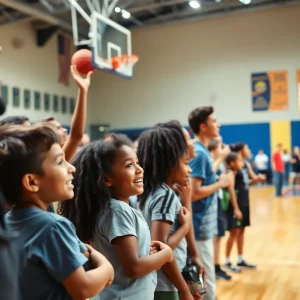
(280, 133)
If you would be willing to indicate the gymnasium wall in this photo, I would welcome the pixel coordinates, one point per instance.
(32, 68)
(207, 62)
(259, 136)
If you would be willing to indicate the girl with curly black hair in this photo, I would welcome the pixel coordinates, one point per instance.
(108, 173)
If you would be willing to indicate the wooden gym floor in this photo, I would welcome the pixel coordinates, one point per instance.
(273, 243)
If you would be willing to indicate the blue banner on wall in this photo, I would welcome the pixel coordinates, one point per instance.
(269, 91)
(261, 95)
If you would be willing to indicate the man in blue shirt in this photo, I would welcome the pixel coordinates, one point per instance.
(204, 187)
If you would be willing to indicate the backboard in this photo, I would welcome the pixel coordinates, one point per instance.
(109, 42)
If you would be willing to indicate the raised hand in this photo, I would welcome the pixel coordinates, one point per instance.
(82, 83)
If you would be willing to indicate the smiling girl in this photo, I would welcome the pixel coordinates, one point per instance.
(108, 173)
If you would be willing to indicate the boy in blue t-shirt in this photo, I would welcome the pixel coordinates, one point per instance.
(34, 174)
(204, 187)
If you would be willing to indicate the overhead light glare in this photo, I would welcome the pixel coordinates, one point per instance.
(246, 2)
(125, 14)
(194, 4)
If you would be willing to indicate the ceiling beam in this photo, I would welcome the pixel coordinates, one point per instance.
(33, 12)
(19, 21)
(6, 14)
(185, 18)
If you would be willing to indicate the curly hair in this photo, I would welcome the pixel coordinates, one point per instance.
(91, 195)
(159, 152)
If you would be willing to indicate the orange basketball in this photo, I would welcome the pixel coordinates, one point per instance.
(82, 59)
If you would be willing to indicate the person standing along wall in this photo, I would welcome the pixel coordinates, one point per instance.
(278, 169)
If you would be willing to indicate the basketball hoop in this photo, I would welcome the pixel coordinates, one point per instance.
(126, 60)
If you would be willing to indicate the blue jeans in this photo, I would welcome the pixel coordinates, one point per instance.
(278, 181)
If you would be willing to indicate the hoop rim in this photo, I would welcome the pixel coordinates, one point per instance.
(125, 59)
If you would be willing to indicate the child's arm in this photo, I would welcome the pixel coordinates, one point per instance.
(185, 225)
(237, 212)
(185, 195)
(81, 285)
(79, 117)
(62, 256)
(254, 178)
(160, 231)
(199, 166)
(200, 192)
(217, 162)
(136, 265)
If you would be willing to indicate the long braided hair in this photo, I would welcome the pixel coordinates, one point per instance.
(159, 151)
(91, 195)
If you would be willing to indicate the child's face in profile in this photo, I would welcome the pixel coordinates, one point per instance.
(127, 175)
(55, 184)
(60, 130)
(246, 152)
(216, 152)
(238, 164)
(181, 174)
(190, 143)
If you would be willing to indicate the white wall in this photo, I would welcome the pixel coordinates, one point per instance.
(32, 68)
(205, 62)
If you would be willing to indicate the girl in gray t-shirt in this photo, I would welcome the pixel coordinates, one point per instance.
(166, 164)
(108, 173)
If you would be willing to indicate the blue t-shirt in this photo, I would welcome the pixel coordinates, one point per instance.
(117, 220)
(204, 210)
(48, 251)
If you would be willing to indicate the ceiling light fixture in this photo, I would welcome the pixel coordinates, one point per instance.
(246, 2)
(117, 9)
(194, 4)
(125, 14)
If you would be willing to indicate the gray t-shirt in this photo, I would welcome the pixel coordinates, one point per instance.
(119, 220)
(48, 251)
(163, 204)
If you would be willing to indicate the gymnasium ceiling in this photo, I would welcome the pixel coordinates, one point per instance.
(143, 13)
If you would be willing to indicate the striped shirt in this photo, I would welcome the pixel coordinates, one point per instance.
(164, 205)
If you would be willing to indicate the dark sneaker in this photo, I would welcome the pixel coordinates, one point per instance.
(232, 268)
(243, 264)
(221, 275)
